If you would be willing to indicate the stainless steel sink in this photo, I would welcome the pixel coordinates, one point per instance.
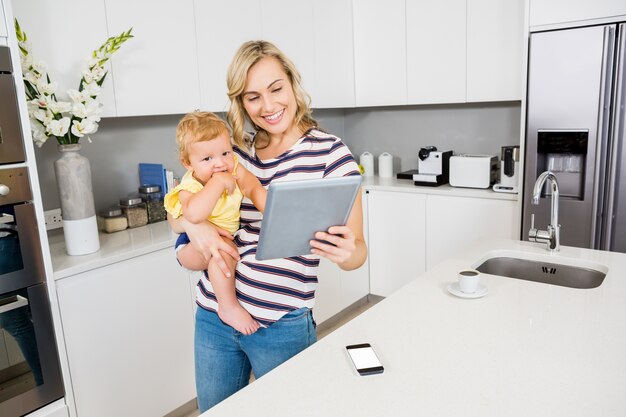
(540, 271)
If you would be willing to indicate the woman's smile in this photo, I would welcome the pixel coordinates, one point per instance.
(274, 118)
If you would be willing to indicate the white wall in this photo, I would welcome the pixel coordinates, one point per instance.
(121, 143)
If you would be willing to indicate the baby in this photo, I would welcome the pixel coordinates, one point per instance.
(212, 189)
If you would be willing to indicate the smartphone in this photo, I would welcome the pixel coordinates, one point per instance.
(364, 359)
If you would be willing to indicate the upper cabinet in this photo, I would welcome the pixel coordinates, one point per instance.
(66, 46)
(333, 52)
(495, 47)
(380, 52)
(548, 12)
(156, 72)
(218, 38)
(435, 36)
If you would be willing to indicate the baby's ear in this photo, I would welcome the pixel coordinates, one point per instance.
(185, 163)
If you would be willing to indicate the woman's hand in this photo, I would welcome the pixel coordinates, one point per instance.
(208, 240)
(346, 245)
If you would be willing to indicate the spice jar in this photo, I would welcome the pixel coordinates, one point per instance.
(112, 220)
(152, 196)
(135, 211)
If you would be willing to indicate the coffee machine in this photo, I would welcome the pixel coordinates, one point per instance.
(509, 170)
(433, 167)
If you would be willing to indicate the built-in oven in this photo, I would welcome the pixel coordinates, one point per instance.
(11, 143)
(30, 375)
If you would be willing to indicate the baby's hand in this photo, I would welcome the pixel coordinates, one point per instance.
(227, 181)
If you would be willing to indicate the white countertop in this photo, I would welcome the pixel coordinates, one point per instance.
(394, 184)
(114, 247)
(119, 246)
(525, 349)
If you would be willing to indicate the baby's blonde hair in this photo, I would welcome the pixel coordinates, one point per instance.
(199, 126)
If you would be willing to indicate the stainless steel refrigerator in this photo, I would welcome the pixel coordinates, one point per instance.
(575, 128)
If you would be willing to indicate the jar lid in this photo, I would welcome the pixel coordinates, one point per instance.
(113, 211)
(147, 189)
(130, 200)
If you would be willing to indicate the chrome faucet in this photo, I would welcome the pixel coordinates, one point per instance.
(551, 235)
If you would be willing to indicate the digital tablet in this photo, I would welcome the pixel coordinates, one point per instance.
(296, 210)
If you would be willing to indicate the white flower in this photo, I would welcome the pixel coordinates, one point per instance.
(59, 106)
(31, 77)
(98, 72)
(91, 89)
(92, 62)
(26, 61)
(40, 66)
(58, 127)
(39, 132)
(40, 102)
(46, 88)
(84, 127)
(76, 96)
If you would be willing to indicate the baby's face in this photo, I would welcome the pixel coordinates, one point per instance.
(208, 157)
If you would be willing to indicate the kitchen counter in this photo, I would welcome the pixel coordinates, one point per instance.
(394, 184)
(525, 349)
(114, 247)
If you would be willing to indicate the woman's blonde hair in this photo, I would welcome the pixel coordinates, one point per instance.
(198, 126)
(249, 54)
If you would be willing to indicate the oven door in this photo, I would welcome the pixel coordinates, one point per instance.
(30, 374)
(21, 262)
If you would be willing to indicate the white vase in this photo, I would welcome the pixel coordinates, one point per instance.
(80, 227)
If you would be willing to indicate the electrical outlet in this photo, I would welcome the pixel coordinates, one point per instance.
(53, 219)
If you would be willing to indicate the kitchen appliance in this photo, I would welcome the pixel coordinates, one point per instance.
(11, 144)
(473, 171)
(509, 170)
(30, 374)
(433, 167)
(575, 128)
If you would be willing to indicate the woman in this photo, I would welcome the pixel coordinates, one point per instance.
(264, 89)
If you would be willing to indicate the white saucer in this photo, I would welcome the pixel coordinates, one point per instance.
(454, 289)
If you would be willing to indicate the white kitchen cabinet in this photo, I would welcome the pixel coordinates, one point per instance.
(548, 12)
(396, 240)
(218, 38)
(156, 72)
(289, 25)
(452, 223)
(380, 69)
(65, 42)
(128, 332)
(334, 56)
(436, 53)
(495, 46)
(338, 289)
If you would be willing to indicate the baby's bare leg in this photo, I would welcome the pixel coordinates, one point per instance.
(191, 259)
(230, 311)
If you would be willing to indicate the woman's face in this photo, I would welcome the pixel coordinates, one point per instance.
(268, 98)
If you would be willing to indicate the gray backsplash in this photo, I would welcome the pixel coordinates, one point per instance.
(121, 143)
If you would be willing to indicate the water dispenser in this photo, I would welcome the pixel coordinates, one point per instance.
(564, 152)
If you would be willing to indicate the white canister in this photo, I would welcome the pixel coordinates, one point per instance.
(385, 165)
(367, 162)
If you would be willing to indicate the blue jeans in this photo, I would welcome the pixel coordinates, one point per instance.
(224, 357)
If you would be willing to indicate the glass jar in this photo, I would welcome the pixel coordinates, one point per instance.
(135, 211)
(112, 220)
(153, 197)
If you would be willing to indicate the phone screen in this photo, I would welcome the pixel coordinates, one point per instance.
(364, 359)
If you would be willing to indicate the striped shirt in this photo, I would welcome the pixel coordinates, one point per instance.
(270, 289)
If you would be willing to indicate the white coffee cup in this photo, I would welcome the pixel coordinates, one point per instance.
(468, 280)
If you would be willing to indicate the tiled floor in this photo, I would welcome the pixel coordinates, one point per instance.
(334, 323)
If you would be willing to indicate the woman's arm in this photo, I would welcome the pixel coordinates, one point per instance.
(350, 250)
(199, 206)
(251, 187)
(207, 239)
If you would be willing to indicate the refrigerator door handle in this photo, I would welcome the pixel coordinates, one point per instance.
(603, 137)
(616, 133)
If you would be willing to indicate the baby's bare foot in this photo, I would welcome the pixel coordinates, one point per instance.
(238, 318)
